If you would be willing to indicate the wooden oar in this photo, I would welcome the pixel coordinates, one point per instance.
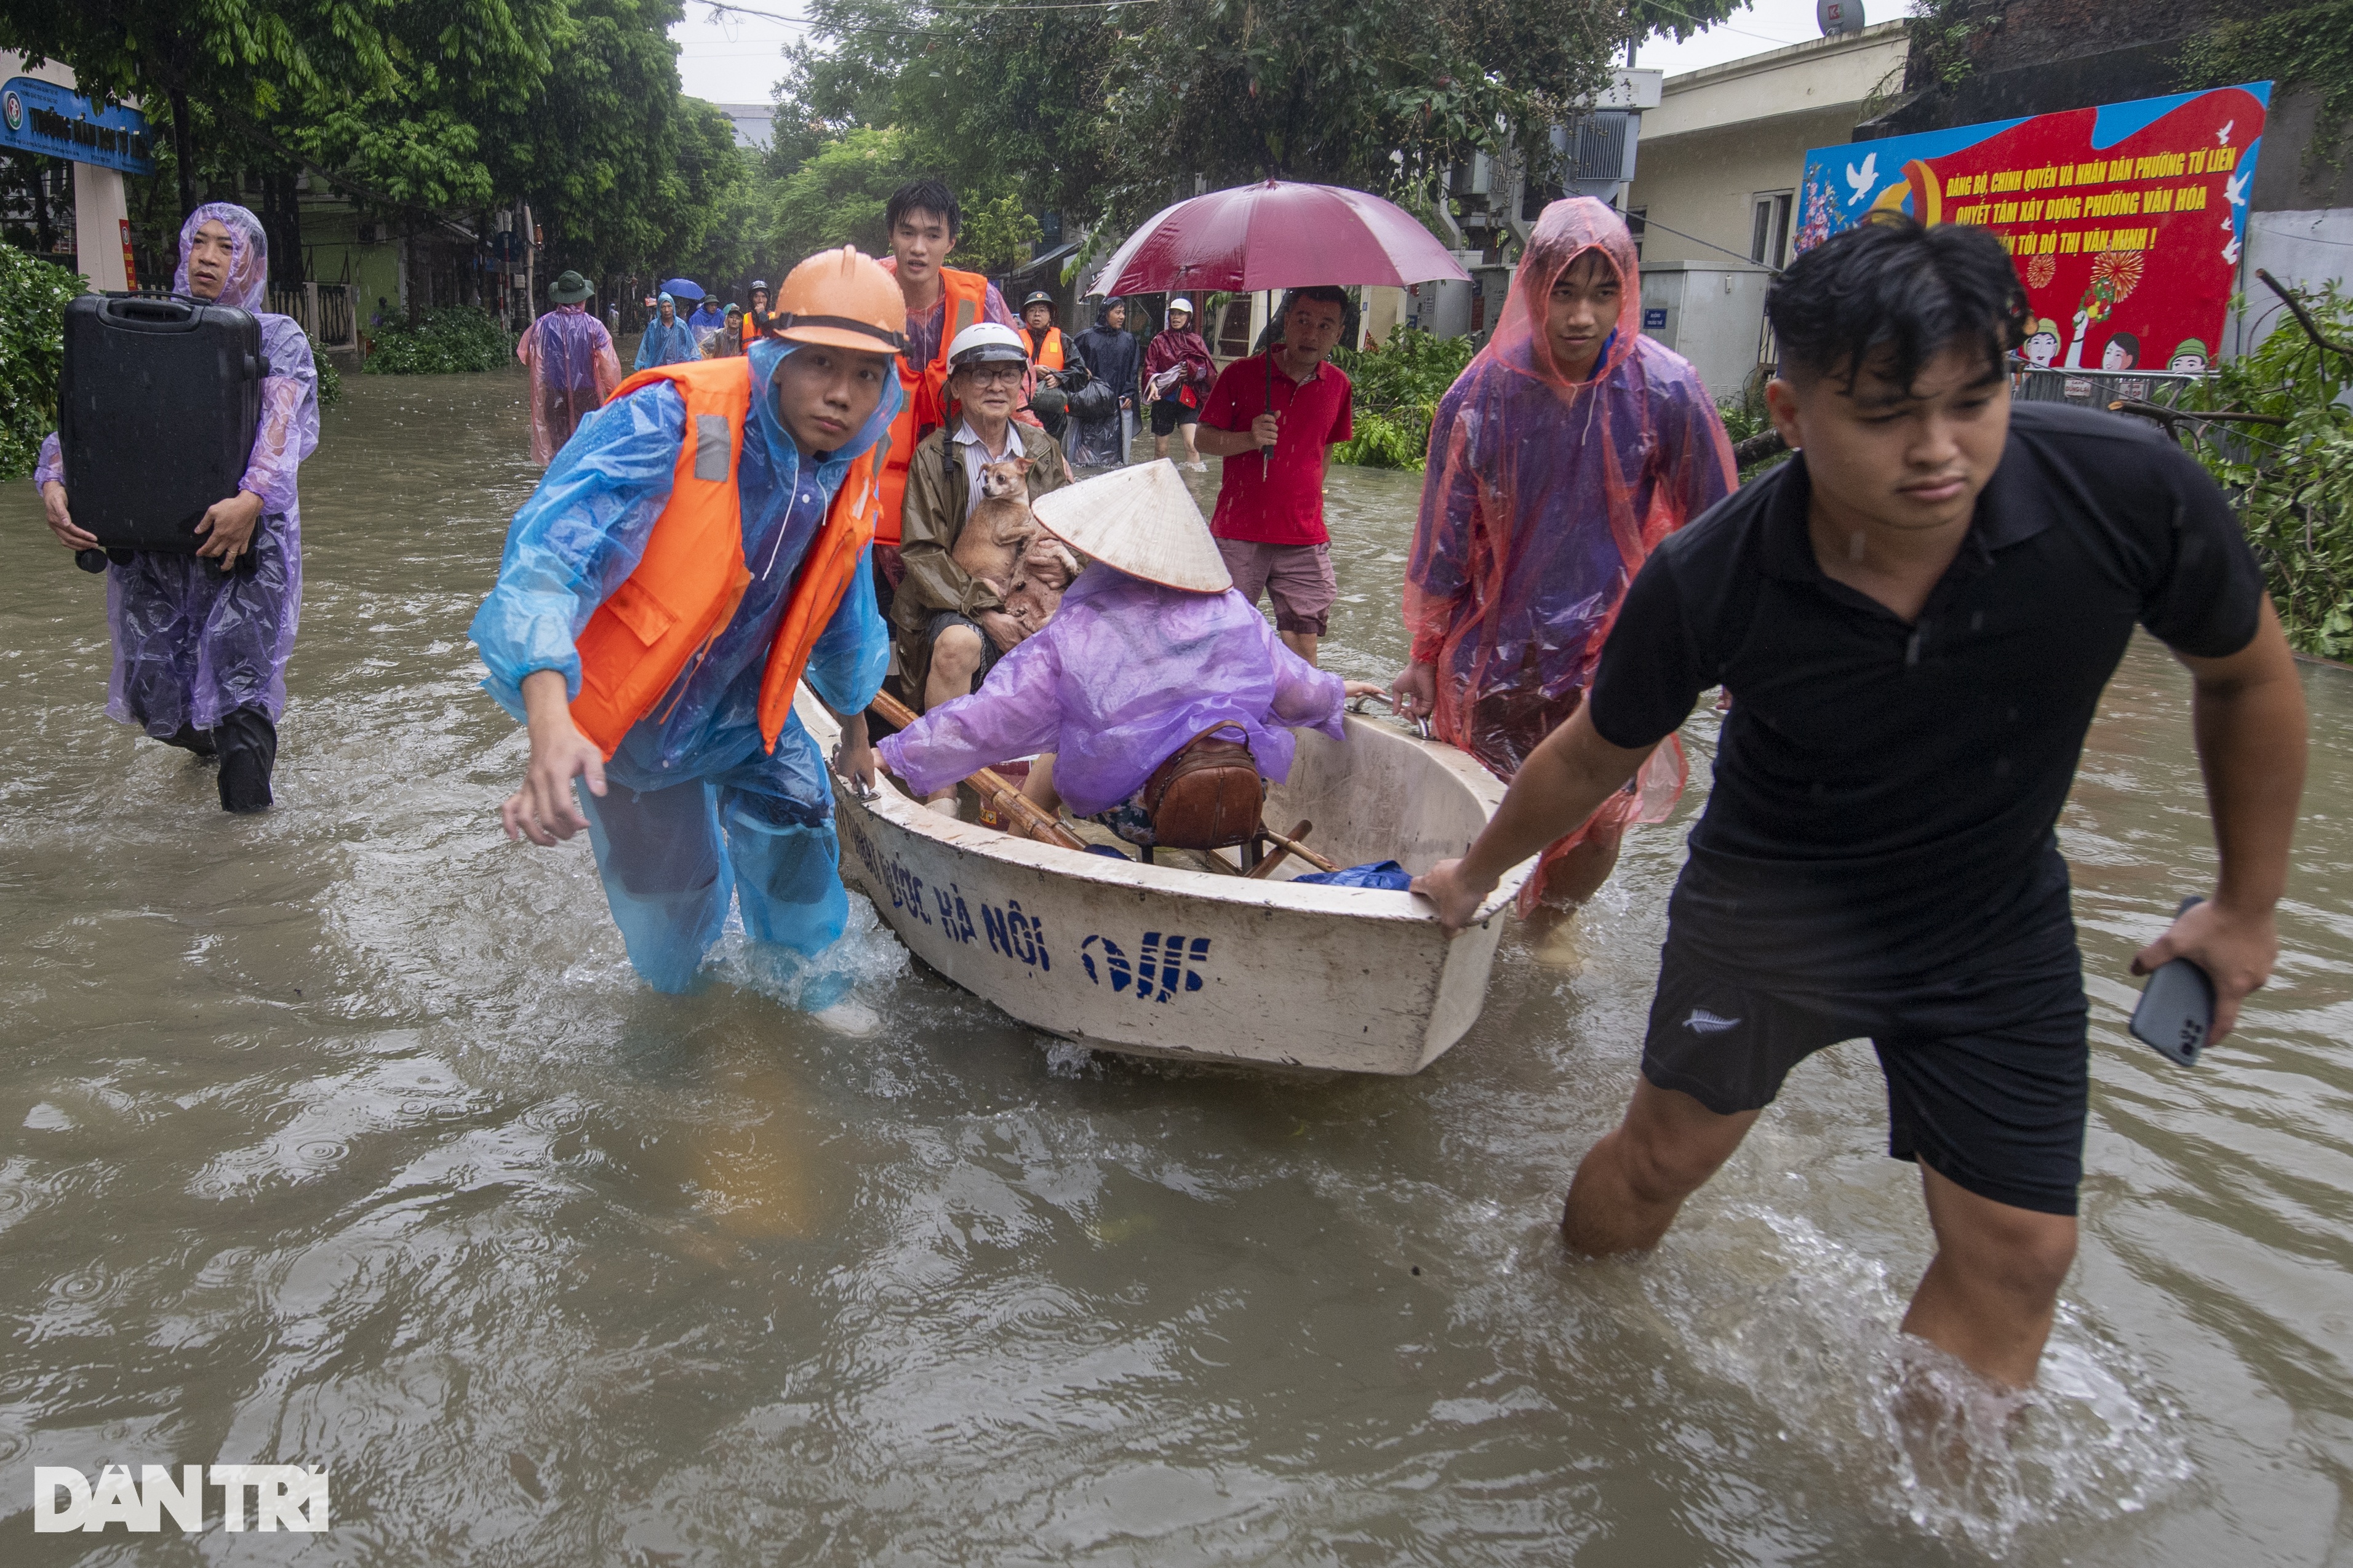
(1265, 867)
(1289, 844)
(993, 787)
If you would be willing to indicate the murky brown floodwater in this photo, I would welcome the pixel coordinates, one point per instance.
(346, 1136)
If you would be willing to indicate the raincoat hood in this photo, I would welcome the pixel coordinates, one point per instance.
(1566, 230)
(247, 285)
(767, 355)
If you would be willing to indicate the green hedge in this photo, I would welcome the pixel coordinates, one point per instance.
(331, 378)
(1397, 386)
(460, 338)
(33, 296)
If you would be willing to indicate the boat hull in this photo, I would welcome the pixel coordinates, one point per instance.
(1168, 962)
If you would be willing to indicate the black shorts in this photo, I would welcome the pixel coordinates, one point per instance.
(1167, 412)
(1988, 1084)
(990, 652)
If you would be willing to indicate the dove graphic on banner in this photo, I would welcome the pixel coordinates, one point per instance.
(1862, 179)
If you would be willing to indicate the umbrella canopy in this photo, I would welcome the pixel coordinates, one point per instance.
(1276, 235)
(682, 289)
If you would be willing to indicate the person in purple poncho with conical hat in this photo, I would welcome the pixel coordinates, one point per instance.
(1151, 648)
(201, 641)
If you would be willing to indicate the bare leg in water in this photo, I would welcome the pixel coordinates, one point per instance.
(1987, 1296)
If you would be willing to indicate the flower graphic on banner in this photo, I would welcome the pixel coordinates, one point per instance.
(2114, 278)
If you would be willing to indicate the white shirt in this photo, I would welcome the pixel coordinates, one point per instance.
(974, 454)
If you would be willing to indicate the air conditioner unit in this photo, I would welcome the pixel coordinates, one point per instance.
(1597, 150)
(1476, 178)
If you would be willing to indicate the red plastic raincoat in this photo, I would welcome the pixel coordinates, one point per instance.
(1543, 497)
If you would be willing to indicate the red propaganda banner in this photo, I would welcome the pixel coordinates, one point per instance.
(2126, 220)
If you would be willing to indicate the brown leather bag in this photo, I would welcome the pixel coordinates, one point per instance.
(1206, 796)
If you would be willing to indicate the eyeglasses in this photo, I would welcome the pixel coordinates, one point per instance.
(995, 375)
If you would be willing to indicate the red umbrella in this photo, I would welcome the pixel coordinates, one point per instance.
(1277, 235)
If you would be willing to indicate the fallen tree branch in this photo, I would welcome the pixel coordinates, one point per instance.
(2168, 417)
(2304, 316)
(1757, 447)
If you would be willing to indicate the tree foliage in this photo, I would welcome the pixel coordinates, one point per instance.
(1397, 386)
(1107, 113)
(2293, 485)
(429, 110)
(33, 297)
(2308, 47)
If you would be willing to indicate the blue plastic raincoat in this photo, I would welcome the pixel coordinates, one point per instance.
(191, 646)
(672, 344)
(696, 808)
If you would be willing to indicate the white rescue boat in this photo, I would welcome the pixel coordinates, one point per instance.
(1173, 961)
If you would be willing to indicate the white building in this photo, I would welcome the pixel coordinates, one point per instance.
(1717, 185)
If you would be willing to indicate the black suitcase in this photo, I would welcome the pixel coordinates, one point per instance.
(157, 410)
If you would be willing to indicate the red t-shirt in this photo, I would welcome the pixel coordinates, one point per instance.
(1284, 506)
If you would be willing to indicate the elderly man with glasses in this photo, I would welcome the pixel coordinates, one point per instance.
(953, 626)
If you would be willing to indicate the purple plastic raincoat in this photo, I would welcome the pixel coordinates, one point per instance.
(1543, 497)
(1125, 673)
(573, 370)
(192, 646)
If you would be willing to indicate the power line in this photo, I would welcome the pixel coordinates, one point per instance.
(1649, 223)
(1707, 27)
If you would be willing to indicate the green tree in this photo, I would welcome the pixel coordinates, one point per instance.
(836, 198)
(1105, 112)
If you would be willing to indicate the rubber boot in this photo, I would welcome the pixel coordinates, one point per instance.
(191, 739)
(248, 749)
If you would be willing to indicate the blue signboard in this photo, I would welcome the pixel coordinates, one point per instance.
(1654, 317)
(39, 116)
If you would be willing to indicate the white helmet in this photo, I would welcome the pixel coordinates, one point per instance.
(985, 340)
(1180, 303)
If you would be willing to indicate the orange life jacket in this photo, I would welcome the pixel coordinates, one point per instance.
(1047, 351)
(925, 407)
(692, 575)
(751, 330)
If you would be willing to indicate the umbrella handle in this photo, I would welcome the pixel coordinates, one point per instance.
(1263, 457)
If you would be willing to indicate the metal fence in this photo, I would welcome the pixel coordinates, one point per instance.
(2099, 389)
(325, 311)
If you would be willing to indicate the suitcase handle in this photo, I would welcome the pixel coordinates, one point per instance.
(151, 313)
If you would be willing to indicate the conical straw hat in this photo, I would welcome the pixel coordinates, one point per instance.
(1141, 521)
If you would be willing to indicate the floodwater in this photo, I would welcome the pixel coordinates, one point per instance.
(345, 1136)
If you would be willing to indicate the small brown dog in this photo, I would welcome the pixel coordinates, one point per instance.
(1003, 546)
(1000, 526)
(1047, 568)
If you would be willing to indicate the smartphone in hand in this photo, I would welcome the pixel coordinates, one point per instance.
(2177, 1006)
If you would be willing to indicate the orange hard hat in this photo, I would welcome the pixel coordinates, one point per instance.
(844, 299)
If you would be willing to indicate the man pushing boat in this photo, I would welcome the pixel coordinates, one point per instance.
(698, 549)
(1152, 655)
(1915, 618)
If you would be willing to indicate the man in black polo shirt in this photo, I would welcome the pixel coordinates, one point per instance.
(1914, 619)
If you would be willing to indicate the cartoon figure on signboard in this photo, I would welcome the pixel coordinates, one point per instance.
(2114, 275)
(2122, 352)
(2189, 358)
(2043, 344)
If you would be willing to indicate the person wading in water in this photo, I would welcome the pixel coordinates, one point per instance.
(1558, 459)
(1915, 617)
(694, 552)
(201, 641)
